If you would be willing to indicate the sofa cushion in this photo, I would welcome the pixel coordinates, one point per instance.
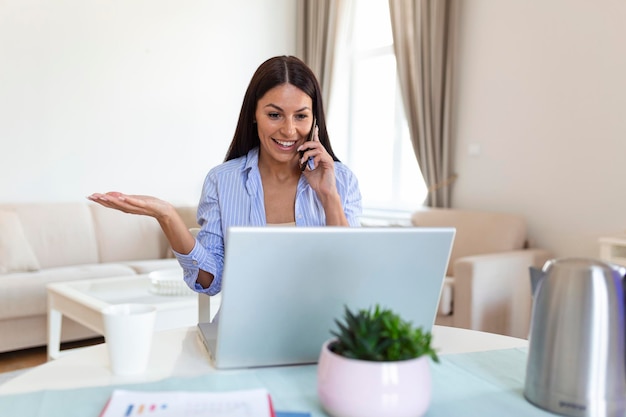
(60, 234)
(127, 237)
(15, 251)
(189, 215)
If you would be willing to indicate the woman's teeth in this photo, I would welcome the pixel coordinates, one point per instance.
(285, 144)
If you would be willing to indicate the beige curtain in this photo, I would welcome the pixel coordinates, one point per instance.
(318, 22)
(423, 35)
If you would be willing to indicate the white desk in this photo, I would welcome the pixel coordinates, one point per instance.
(487, 381)
(179, 352)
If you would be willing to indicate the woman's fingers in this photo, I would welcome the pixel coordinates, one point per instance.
(126, 203)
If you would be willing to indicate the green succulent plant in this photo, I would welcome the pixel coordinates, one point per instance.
(380, 335)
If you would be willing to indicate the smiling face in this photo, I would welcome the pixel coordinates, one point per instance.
(284, 119)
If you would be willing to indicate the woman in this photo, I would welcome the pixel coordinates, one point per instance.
(266, 178)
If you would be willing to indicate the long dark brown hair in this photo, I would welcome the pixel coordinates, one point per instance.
(274, 72)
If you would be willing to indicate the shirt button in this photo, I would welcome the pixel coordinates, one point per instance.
(195, 263)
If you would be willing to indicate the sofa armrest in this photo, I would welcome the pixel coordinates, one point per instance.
(492, 292)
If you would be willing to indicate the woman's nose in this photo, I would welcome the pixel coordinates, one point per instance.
(289, 128)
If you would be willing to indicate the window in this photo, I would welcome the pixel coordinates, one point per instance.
(366, 117)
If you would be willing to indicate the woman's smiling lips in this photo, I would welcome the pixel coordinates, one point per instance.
(285, 144)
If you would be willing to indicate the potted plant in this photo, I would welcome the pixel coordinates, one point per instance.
(377, 365)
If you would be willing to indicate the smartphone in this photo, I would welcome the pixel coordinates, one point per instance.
(309, 162)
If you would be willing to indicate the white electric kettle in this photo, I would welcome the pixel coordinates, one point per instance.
(576, 356)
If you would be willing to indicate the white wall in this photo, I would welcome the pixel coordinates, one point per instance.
(140, 96)
(541, 89)
(143, 96)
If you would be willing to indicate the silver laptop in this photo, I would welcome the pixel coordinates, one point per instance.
(283, 287)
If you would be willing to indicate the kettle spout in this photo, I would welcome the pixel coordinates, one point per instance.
(537, 275)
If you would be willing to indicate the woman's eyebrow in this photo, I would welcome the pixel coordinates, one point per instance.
(280, 108)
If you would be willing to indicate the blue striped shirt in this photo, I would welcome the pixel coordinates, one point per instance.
(232, 195)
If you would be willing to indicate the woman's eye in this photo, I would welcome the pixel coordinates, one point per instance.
(301, 116)
(273, 115)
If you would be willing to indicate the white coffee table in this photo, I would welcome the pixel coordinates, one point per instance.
(83, 301)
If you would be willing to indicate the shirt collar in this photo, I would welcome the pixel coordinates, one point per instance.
(252, 159)
(251, 170)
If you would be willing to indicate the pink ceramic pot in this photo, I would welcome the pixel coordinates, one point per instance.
(356, 388)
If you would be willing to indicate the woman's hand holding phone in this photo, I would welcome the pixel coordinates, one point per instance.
(311, 137)
(321, 172)
(321, 177)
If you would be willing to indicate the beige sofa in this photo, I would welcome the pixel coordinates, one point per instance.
(41, 243)
(487, 284)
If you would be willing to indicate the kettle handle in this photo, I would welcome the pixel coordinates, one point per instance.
(621, 270)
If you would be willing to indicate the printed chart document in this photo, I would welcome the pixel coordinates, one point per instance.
(244, 403)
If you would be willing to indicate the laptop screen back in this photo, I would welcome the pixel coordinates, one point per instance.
(283, 288)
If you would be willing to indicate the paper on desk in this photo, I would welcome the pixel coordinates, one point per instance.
(245, 403)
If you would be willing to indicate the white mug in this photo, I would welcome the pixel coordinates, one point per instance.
(128, 330)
